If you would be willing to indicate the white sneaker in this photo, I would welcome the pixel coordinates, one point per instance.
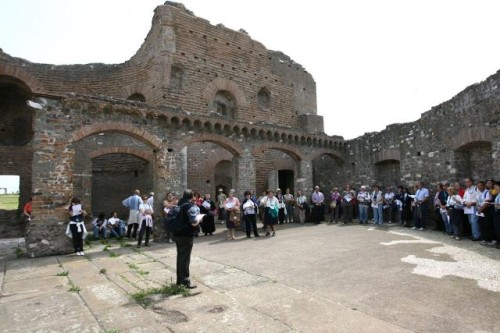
(414, 228)
(78, 253)
(82, 253)
(421, 229)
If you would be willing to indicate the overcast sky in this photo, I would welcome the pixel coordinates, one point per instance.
(374, 62)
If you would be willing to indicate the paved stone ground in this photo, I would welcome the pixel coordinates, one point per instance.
(324, 278)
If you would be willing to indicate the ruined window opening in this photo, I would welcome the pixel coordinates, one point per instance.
(137, 97)
(176, 77)
(224, 104)
(264, 99)
(16, 118)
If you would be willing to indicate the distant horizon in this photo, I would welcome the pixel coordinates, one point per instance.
(11, 182)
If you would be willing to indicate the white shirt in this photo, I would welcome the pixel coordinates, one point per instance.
(301, 199)
(388, 197)
(113, 220)
(270, 202)
(145, 209)
(470, 196)
(363, 197)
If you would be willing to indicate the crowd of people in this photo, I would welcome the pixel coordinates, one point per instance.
(458, 210)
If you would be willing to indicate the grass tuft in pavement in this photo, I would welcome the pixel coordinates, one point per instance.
(75, 289)
(142, 297)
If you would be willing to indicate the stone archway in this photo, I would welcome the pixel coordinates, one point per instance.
(114, 177)
(208, 165)
(109, 165)
(16, 148)
(276, 166)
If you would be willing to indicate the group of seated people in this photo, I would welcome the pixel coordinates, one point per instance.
(108, 227)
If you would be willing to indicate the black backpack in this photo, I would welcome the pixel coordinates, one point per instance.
(174, 220)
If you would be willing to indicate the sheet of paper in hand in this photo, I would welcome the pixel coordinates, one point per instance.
(76, 210)
(199, 218)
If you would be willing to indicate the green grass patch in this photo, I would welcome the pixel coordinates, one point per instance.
(103, 271)
(105, 242)
(18, 252)
(111, 330)
(124, 243)
(137, 270)
(133, 266)
(9, 201)
(75, 289)
(142, 297)
(113, 254)
(64, 273)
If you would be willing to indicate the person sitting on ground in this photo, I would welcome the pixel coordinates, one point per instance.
(99, 226)
(116, 227)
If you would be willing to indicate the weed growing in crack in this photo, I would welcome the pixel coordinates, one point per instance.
(75, 289)
(142, 297)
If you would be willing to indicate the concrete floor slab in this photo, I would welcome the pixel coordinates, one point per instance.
(330, 278)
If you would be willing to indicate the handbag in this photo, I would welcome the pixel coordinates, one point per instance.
(274, 211)
(235, 216)
(333, 204)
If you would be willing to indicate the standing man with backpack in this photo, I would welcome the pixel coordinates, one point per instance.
(181, 222)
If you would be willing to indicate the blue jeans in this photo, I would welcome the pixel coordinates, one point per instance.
(378, 214)
(476, 233)
(420, 216)
(115, 231)
(104, 232)
(363, 213)
(448, 227)
(289, 213)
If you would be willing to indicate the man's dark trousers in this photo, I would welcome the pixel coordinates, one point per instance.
(184, 247)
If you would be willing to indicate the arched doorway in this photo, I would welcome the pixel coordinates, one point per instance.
(209, 166)
(223, 176)
(108, 167)
(115, 177)
(275, 169)
(16, 136)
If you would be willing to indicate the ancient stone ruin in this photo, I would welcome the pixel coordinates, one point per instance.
(206, 107)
